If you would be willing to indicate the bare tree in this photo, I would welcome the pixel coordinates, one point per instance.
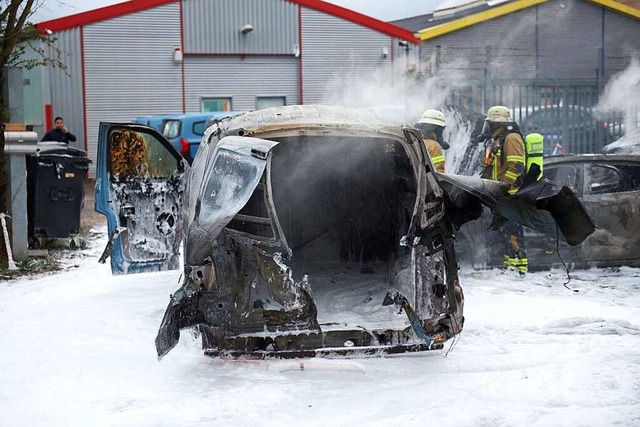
(17, 37)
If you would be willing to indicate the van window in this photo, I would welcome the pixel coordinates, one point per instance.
(198, 127)
(139, 154)
(171, 128)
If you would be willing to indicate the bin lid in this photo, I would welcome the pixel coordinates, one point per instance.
(52, 148)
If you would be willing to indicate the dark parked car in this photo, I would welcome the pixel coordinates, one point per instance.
(609, 188)
(568, 128)
(308, 230)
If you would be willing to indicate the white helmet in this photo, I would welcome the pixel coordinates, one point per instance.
(498, 114)
(433, 117)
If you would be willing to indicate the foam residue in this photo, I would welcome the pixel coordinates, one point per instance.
(622, 95)
(413, 90)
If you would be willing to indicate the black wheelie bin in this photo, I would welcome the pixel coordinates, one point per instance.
(55, 192)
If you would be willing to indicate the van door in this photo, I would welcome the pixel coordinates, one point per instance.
(139, 188)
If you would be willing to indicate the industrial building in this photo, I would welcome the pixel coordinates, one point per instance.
(547, 39)
(561, 54)
(169, 56)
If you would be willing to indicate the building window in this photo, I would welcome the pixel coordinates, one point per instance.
(270, 101)
(216, 104)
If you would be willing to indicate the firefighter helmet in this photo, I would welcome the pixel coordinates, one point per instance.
(433, 117)
(498, 114)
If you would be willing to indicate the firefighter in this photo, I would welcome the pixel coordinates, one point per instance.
(505, 161)
(432, 125)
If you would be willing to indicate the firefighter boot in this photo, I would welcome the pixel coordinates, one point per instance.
(516, 258)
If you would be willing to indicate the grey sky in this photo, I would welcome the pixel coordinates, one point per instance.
(385, 10)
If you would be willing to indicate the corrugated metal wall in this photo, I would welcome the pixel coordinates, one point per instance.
(340, 59)
(213, 26)
(570, 39)
(241, 79)
(622, 36)
(505, 45)
(65, 86)
(129, 68)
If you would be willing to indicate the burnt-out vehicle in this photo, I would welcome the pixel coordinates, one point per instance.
(609, 188)
(629, 143)
(307, 231)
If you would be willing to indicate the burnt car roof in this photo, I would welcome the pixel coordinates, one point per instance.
(314, 116)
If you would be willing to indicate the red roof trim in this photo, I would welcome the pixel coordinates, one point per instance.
(358, 18)
(101, 14)
(119, 9)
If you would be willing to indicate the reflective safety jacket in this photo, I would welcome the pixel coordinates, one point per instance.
(508, 162)
(435, 152)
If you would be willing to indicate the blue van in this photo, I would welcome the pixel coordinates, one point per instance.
(184, 131)
(154, 121)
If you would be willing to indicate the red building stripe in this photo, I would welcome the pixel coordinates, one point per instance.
(235, 54)
(125, 8)
(358, 18)
(100, 14)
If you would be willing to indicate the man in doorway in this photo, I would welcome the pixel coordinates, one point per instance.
(59, 132)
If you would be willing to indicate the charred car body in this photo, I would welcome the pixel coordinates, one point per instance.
(609, 188)
(308, 230)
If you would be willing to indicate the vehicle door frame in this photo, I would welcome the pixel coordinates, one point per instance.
(104, 205)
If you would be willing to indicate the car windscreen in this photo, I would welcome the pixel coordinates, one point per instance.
(171, 128)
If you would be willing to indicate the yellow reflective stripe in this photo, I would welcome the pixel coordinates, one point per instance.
(513, 190)
(516, 262)
(437, 159)
(535, 147)
(511, 175)
(515, 159)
